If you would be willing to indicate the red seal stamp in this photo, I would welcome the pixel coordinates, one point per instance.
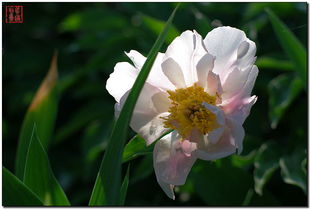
(14, 14)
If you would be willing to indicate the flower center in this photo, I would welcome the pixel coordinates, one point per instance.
(187, 111)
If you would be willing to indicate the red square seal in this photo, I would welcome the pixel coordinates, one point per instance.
(14, 14)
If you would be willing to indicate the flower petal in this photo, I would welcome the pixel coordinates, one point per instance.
(171, 164)
(204, 66)
(148, 127)
(214, 86)
(156, 76)
(173, 72)
(121, 80)
(214, 136)
(231, 140)
(147, 118)
(232, 49)
(239, 109)
(167, 188)
(187, 49)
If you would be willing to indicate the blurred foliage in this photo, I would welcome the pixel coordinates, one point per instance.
(91, 38)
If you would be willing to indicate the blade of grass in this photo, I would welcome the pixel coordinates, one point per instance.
(291, 45)
(42, 112)
(39, 176)
(125, 186)
(15, 192)
(110, 169)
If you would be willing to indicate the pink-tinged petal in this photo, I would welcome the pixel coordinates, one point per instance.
(171, 164)
(167, 188)
(173, 72)
(187, 49)
(188, 147)
(231, 48)
(156, 76)
(230, 140)
(235, 82)
(204, 66)
(214, 86)
(239, 109)
(121, 80)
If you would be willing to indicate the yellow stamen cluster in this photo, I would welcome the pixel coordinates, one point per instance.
(187, 111)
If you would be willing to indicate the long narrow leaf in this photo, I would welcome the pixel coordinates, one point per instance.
(15, 192)
(124, 186)
(39, 176)
(291, 45)
(110, 169)
(42, 112)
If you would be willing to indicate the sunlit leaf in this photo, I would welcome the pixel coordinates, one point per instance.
(267, 161)
(39, 176)
(110, 169)
(283, 90)
(272, 63)
(292, 169)
(135, 147)
(291, 45)
(42, 112)
(15, 192)
(124, 186)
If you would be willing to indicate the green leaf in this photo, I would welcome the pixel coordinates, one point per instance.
(135, 147)
(39, 176)
(293, 170)
(266, 163)
(124, 186)
(156, 27)
(272, 63)
(143, 170)
(110, 169)
(283, 90)
(42, 112)
(220, 184)
(292, 46)
(15, 192)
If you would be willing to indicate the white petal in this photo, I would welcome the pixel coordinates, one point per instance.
(147, 119)
(149, 128)
(156, 76)
(214, 85)
(161, 101)
(214, 136)
(137, 58)
(231, 140)
(173, 72)
(187, 50)
(121, 80)
(235, 82)
(204, 66)
(171, 164)
(229, 46)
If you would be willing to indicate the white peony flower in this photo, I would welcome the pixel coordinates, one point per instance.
(199, 88)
